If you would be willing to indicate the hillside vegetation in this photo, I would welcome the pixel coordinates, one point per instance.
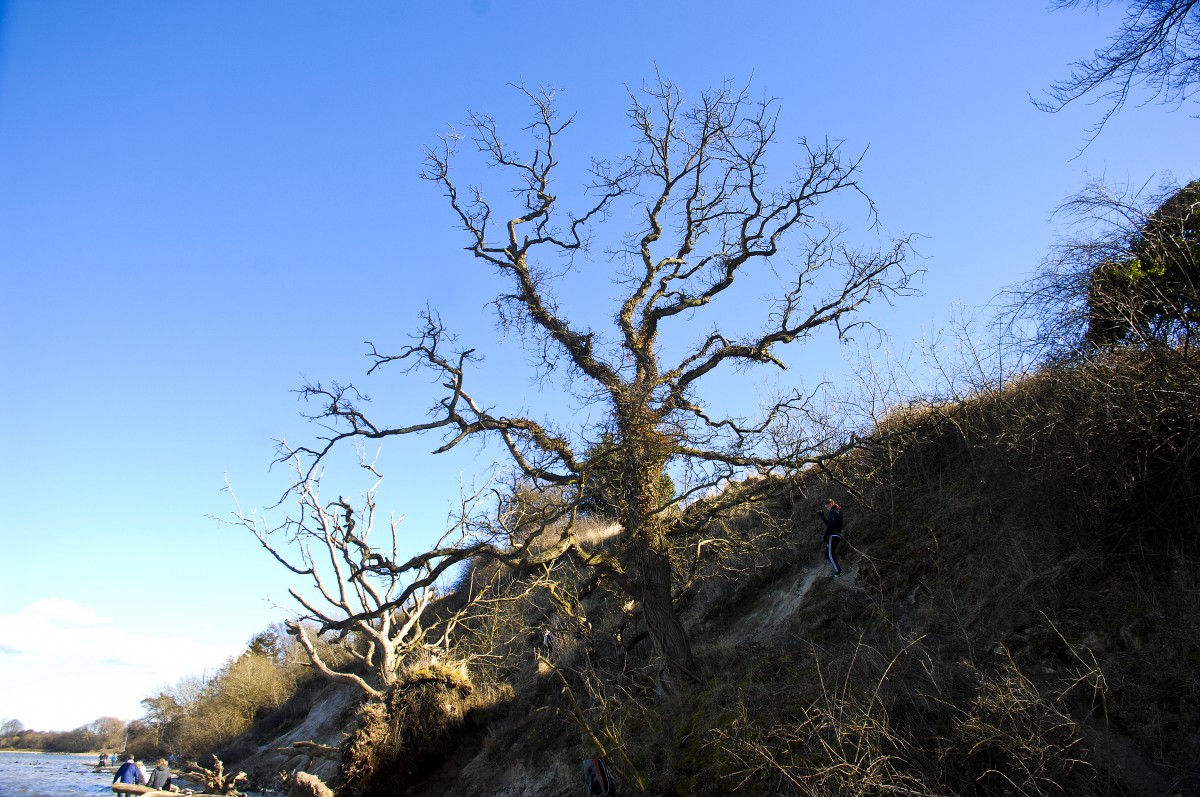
(1021, 615)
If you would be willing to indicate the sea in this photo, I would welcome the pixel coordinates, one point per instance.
(57, 774)
(51, 775)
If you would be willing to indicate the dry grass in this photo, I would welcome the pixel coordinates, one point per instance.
(399, 737)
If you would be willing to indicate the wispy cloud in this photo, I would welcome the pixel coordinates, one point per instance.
(63, 664)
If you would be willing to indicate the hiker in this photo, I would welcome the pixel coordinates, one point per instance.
(127, 772)
(597, 782)
(142, 774)
(160, 778)
(832, 517)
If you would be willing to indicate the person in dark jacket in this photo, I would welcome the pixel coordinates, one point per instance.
(832, 516)
(127, 772)
(160, 776)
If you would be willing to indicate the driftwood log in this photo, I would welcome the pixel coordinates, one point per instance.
(217, 780)
(312, 750)
(304, 784)
(144, 791)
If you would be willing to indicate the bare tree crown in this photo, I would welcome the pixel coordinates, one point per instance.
(698, 180)
(706, 212)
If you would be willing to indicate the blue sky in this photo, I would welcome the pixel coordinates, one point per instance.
(202, 204)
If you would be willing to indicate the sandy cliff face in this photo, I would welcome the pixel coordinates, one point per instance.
(325, 717)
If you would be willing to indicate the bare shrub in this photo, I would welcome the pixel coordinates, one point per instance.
(838, 742)
(1012, 734)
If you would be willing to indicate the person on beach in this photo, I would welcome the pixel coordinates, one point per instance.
(832, 516)
(160, 778)
(127, 772)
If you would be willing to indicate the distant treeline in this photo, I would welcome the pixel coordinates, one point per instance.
(105, 733)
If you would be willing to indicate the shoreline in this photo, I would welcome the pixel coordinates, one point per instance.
(47, 752)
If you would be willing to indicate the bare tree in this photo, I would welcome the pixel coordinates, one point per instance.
(356, 589)
(110, 731)
(388, 612)
(1157, 47)
(704, 215)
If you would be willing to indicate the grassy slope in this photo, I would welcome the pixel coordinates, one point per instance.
(1021, 616)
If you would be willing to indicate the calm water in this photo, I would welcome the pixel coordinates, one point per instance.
(47, 775)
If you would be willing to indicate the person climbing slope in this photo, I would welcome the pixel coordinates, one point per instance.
(832, 516)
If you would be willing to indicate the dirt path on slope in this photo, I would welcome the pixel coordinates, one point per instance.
(776, 607)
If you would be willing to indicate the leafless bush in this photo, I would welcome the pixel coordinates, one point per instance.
(1013, 735)
(840, 742)
(217, 780)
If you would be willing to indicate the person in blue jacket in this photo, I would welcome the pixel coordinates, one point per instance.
(127, 772)
(833, 533)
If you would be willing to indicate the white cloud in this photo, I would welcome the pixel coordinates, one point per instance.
(63, 664)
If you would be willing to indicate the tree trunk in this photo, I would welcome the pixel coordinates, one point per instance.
(670, 639)
(647, 558)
